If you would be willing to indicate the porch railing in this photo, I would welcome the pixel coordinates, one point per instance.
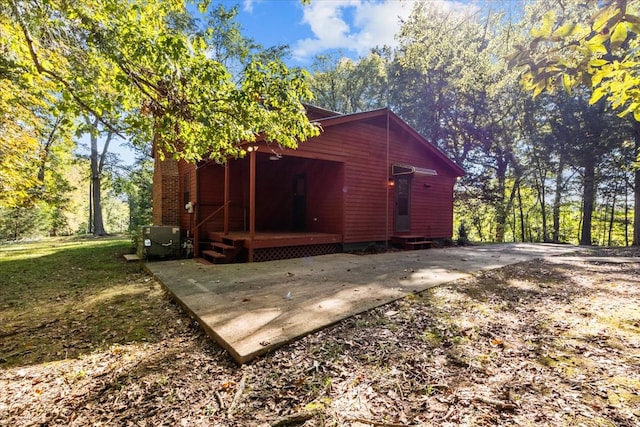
(211, 215)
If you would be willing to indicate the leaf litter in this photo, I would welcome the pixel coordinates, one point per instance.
(552, 342)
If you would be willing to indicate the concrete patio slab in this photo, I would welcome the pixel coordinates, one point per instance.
(250, 309)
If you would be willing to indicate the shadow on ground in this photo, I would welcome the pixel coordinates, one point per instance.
(73, 300)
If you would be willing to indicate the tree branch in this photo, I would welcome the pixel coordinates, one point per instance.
(105, 149)
(46, 149)
(42, 70)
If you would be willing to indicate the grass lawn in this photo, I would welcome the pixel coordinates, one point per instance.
(64, 297)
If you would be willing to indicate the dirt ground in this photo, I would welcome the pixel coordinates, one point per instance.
(542, 343)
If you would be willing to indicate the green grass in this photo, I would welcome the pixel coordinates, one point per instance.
(64, 297)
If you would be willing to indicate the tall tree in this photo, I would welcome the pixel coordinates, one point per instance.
(97, 158)
(347, 86)
(453, 88)
(144, 70)
(133, 66)
(596, 46)
(22, 118)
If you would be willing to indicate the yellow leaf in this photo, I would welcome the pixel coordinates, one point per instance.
(595, 46)
(567, 82)
(597, 62)
(538, 88)
(601, 19)
(596, 78)
(597, 94)
(547, 25)
(619, 35)
(566, 30)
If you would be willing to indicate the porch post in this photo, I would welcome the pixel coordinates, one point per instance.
(226, 197)
(252, 200)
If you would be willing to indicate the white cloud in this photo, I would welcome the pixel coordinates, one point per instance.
(355, 25)
(247, 5)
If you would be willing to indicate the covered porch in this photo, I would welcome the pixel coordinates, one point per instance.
(268, 206)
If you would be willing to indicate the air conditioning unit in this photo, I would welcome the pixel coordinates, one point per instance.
(159, 242)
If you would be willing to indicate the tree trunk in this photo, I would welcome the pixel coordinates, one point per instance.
(626, 213)
(558, 200)
(501, 208)
(539, 181)
(46, 150)
(96, 191)
(97, 165)
(611, 218)
(90, 224)
(543, 211)
(588, 195)
(477, 223)
(501, 215)
(522, 237)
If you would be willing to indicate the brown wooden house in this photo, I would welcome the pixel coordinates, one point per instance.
(368, 178)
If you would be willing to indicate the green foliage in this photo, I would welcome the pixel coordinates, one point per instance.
(137, 187)
(463, 238)
(343, 85)
(596, 45)
(21, 222)
(140, 69)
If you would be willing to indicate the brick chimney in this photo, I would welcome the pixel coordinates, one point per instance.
(166, 191)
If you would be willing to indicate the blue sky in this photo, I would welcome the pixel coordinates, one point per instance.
(353, 26)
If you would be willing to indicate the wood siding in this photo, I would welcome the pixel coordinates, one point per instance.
(347, 171)
(431, 196)
(363, 149)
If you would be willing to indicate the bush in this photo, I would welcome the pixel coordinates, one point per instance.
(463, 240)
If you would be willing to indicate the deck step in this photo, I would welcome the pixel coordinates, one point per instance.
(216, 257)
(423, 242)
(411, 242)
(222, 238)
(222, 246)
(222, 249)
(214, 254)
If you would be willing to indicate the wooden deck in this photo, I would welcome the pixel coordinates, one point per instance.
(278, 239)
(274, 245)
